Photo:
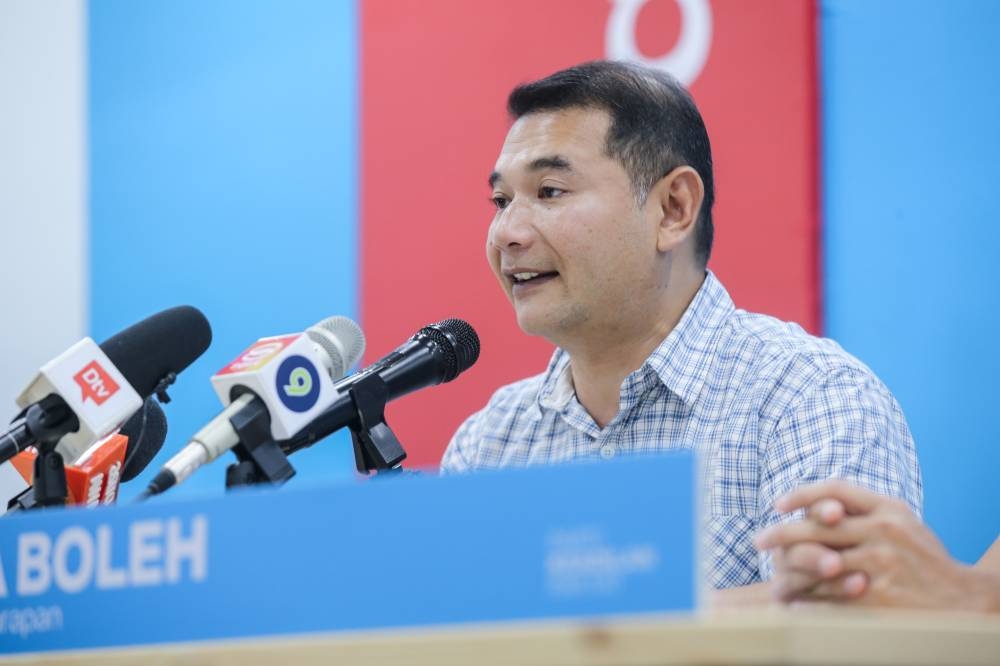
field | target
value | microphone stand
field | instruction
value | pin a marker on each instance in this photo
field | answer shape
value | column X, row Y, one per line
column 376, row 448
column 42, row 424
column 260, row 458
column 50, row 476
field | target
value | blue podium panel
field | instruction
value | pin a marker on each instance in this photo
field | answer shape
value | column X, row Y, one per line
column 570, row 541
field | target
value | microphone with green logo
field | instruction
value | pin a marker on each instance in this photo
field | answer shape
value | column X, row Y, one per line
column 290, row 376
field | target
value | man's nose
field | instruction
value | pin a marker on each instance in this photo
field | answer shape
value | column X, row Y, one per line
column 512, row 228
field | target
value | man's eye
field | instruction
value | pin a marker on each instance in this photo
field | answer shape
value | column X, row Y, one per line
column 547, row 192
column 500, row 201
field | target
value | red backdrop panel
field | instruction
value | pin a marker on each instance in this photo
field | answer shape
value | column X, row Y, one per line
column 434, row 79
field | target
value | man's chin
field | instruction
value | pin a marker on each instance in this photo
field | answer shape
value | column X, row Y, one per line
column 534, row 324
column 554, row 326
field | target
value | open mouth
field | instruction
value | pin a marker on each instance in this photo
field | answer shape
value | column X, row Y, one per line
column 524, row 279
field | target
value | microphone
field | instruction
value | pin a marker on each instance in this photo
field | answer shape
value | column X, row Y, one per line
column 88, row 391
column 95, row 477
column 146, row 432
column 278, row 376
column 436, row 354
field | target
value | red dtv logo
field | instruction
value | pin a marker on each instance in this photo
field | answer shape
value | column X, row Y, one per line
column 95, row 383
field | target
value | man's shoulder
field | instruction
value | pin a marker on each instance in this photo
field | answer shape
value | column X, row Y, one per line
column 759, row 347
column 510, row 404
column 768, row 343
column 783, row 366
column 486, row 434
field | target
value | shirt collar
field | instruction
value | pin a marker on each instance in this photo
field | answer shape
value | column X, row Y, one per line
column 557, row 384
column 681, row 361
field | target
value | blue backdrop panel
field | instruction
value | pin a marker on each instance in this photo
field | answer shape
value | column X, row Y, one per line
column 223, row 175
column 910, row 138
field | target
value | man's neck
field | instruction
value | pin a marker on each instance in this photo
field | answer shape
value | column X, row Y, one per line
column 600, row 366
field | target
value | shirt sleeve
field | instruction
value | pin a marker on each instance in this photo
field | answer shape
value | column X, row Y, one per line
column 846, row 426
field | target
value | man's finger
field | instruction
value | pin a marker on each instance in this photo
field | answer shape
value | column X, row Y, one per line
column 801, row 567
column 855, row 500
column 875, row 559
column 845, row 587
column 813, row 559
column 827, row 511
column 850, row 532
column 791, row 585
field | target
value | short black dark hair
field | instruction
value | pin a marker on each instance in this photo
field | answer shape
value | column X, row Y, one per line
column 655, row 125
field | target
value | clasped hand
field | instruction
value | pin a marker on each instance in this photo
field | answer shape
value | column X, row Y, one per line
column 855, row 545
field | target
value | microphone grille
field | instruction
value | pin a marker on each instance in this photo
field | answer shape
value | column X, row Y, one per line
column 459, row 341
column 343, row 341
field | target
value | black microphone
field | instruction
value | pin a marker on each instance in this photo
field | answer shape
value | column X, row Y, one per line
column 436, row 354
column 87, row 392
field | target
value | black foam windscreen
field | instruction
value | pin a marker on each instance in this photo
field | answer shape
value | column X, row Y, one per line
column 146, row 431
column 167, row 342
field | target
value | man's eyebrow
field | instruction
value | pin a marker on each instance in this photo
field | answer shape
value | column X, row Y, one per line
column 550, row 162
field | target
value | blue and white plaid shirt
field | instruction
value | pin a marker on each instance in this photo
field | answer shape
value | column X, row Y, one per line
column 769, row 406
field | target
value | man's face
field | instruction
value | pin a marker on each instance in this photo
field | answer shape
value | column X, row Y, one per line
column 570, row 248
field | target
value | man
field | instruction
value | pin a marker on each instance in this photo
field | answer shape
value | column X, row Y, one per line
column 603, row 228
column 858, row 547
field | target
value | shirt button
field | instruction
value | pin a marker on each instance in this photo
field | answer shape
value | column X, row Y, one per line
column 607, row 451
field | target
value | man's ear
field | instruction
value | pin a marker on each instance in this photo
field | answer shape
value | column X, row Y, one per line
column 677, row 201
